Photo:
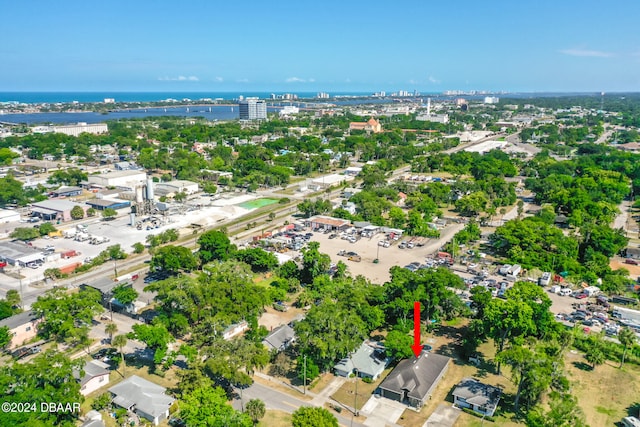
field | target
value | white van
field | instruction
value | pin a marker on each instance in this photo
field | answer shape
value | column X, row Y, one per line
column 565, row 292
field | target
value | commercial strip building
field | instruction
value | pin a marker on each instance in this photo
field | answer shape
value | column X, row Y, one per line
column 55, row 209
column 8, row 215
column 20, row 254
column 171, row 188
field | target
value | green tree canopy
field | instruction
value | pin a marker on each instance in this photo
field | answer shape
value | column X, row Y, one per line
column 214, row 245
column 308, row 416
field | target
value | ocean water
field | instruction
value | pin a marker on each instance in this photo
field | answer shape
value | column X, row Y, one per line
column 82, row 97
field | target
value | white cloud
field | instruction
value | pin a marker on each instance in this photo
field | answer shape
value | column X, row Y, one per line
column 586, row 53
column 179, row 79
column 219, row 79
column 434, row 80
column 295, row 80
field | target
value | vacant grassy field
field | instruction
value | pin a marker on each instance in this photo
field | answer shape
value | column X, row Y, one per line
column 274, row 418
column 347, row 393
column 606, row 394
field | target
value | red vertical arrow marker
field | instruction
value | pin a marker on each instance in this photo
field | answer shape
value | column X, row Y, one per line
column 416, row 347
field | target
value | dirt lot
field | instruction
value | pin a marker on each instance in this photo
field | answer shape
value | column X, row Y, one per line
column 368, row 249
column 617, row 263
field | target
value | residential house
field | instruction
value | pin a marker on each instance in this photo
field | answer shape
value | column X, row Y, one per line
column 413, row 380
column 479, row 397
column 235, row 330
column 93, row 419
column 22, row 328
column 280, row 338
column 146, row 399
column 365, row 362
column 96, row 375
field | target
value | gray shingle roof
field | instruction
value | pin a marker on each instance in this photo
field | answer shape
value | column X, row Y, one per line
column 148, row 397
column 365, row 359
column 416, row 375
column 478, row 393
column 18, row 319
column 279, row 338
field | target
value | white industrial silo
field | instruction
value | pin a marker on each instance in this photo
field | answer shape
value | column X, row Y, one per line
column 132, row 219
column 139, row 194
column 150, row 195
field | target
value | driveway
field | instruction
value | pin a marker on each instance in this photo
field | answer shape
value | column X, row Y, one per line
column 382, row 412
column 445, row 415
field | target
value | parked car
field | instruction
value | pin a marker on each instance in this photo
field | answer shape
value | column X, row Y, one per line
column 581, row 296
column 631, row 261
column 280, row 306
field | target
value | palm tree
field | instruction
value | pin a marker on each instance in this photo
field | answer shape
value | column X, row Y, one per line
column 256, row 410
column 120, row 341
column 627, row 338
column 111, row 328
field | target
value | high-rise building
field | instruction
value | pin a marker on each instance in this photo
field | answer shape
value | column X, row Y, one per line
column 253, row 109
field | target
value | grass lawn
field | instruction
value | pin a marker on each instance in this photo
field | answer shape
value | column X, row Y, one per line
column 274, row 418
column 606, row 394
column 347, row 393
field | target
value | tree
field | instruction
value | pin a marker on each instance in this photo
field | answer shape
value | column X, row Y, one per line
column 46, row 228
column 120, row 342
column 111, row 328
column 594, row 354
column 77, row 212
column 180, row 197
column 307, row 416
column 5, row 337
column 109, row 213
column 25, row 233
column 627, row 338
column 208, row 407
column 13, row 298
column 6, row 310
column 314, row 263
column 67, row 316
column 91, row 212
column 563, row 412
column 214, row 245
column 258, row 259
column 102, row 401
column 398, row 344
column 155, row 336
column 174, row 259
column 256, row 410
column 125, row 294
column 138, row 248
column 114, row 252
column 49, row 377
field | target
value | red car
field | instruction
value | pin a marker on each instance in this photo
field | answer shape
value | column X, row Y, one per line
column 631, row 261
column 581, row 296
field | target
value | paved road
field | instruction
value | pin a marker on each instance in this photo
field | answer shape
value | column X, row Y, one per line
column 274, row 399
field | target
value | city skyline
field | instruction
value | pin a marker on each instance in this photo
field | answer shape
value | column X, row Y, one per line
column 355, row 46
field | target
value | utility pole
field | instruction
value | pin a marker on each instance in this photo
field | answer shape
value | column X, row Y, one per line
column 21, row 293
column 305, row 374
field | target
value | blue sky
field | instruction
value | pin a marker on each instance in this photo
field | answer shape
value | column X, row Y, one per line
column 298, row 46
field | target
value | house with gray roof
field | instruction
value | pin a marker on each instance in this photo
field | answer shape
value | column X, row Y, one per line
column 365, row 362
column 22, row 327
column 479, row 397
column 96, row 375
column 280, row 338
column 146, row 399
column 413, row 381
